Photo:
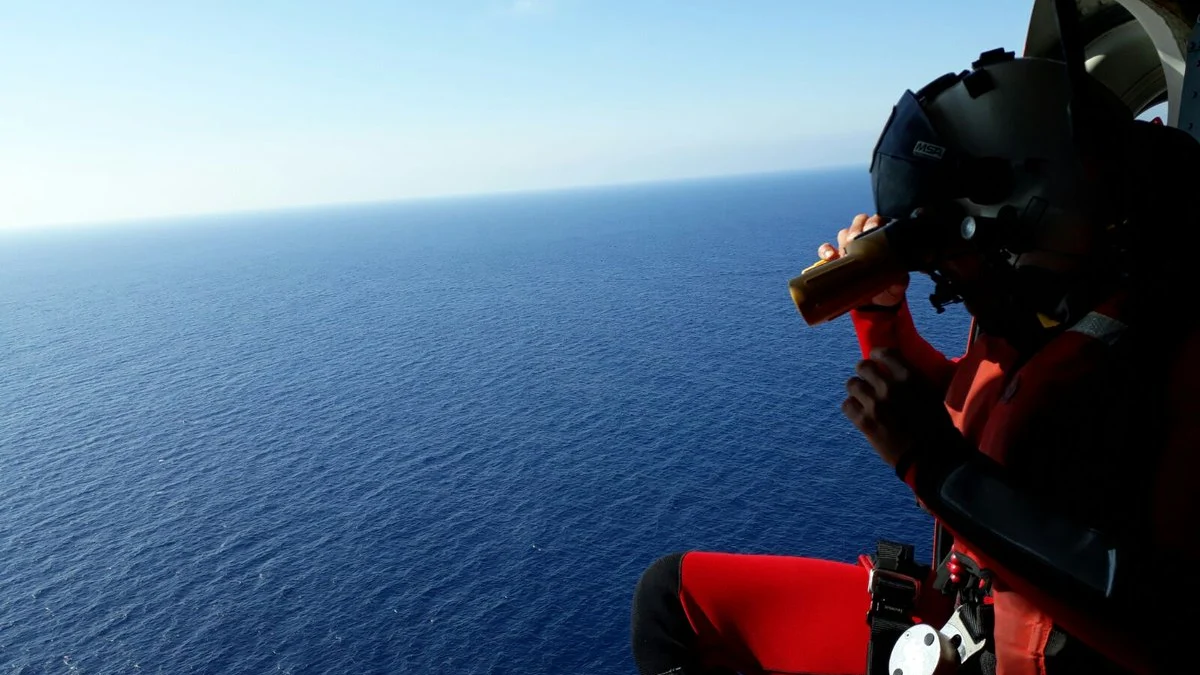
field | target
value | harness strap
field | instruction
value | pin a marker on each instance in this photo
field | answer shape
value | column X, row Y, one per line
column 1100, row 327
column 893, row 599
column 960, row 575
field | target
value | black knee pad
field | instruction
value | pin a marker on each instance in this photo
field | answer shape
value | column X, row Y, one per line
column 660, row 631
column 661, row 580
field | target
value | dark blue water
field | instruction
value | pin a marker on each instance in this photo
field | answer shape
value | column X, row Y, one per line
column 437, row 437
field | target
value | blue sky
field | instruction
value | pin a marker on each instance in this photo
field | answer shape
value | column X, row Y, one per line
column 120, row 110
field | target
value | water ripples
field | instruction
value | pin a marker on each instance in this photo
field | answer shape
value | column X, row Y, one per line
column 433, row 438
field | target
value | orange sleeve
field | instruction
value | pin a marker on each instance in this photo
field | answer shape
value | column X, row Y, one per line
column 1151, row 576
column 894, row 329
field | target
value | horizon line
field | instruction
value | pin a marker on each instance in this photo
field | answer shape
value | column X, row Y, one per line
column 219, row 213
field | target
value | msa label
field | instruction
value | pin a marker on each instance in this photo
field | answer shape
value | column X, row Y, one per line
column 928, row 150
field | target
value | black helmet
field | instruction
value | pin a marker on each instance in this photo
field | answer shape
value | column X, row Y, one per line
column 999, row 142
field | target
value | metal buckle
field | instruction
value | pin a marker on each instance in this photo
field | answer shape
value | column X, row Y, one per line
column 923, row 650
column 960, row 638
column 892, row 576
column 898, row 602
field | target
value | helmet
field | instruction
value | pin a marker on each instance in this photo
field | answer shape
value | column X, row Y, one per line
column 1040, row 171
column 1002, row 142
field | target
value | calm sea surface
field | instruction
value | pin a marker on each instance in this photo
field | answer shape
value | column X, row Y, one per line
column 433, row 437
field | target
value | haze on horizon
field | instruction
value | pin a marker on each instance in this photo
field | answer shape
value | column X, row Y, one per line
column 141, row 110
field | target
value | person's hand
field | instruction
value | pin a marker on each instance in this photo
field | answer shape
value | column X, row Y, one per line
column 895, row 408
column 891, row 297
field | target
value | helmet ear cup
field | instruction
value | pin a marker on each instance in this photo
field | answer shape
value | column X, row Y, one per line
column 987, row 180
column 1026, row 224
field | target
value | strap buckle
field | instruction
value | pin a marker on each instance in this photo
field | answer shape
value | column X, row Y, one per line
column 893, row 595
column 962, row 635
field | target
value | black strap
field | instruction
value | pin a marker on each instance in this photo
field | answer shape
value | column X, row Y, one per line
column 971, row 588
column 885, row 631
column 978, row 619
column 893, row 556
column 893, row 596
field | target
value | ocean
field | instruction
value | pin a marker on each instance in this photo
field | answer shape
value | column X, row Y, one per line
column 437, row 436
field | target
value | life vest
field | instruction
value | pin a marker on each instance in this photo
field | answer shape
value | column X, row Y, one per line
column 1063, row 423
